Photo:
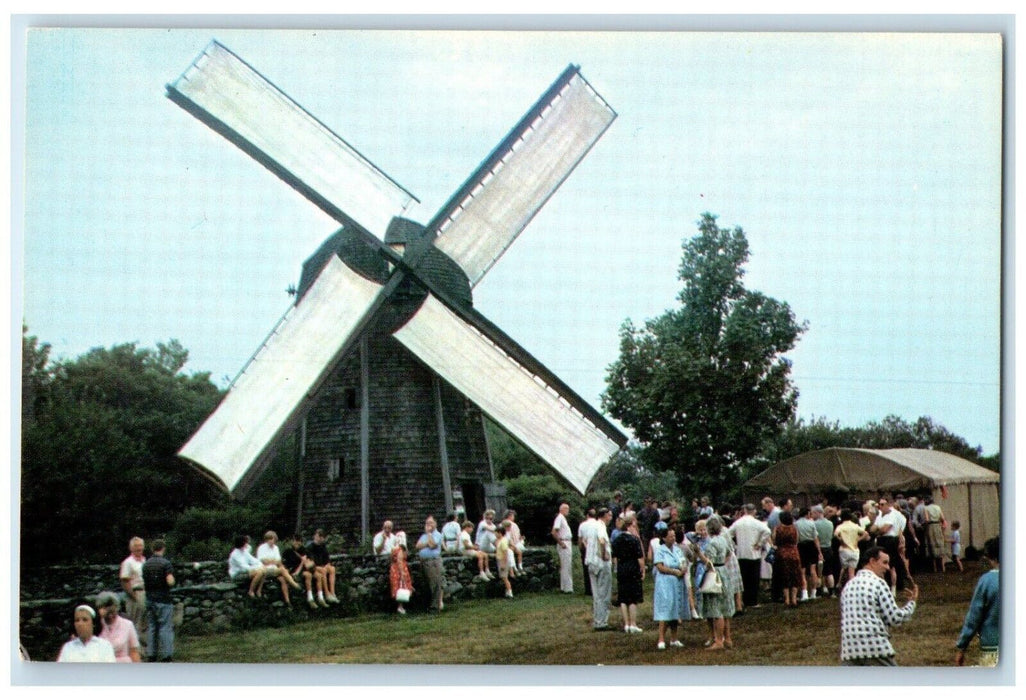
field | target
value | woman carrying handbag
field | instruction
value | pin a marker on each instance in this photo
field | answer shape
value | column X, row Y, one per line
column 717, row 606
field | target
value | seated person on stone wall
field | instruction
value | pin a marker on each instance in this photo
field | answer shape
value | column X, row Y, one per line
column 384, row 541
column 468, row 549
column 270, row 556
column 516, row 541
column 243, row 566
column 485, row 540
column 299, row 564
column 487, row 525
column 318, row 551
column 451, row 535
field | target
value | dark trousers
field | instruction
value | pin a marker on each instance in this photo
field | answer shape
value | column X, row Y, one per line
column 750, row 569
column 587, row 577
column 776, row 585
column 890, row 545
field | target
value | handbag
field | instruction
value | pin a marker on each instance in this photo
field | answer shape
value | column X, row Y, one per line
column 771, row 555
column 711, row 584
column 402, row 595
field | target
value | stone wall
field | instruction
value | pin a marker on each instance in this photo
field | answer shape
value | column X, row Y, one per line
column 210, row 603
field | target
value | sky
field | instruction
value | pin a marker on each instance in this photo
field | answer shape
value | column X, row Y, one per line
column 864, row 169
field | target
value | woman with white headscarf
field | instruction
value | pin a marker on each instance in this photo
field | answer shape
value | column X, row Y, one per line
column 86, row 645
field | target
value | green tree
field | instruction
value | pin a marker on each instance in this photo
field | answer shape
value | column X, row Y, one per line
column 35, row 374
column 511, row 459
column 705, row 384
column 99, row 449
column 627, row 472
column 893, row 431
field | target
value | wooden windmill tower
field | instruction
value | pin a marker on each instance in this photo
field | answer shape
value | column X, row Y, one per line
column 383, row 365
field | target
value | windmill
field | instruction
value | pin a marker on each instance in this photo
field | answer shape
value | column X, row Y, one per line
column 382, row 364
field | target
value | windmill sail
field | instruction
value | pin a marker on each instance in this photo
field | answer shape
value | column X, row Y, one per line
column 501, row 197
column 546, row 419
column 237, row 438
column 224, row 92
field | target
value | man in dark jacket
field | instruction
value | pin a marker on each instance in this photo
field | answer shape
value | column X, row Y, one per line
column 158, row 577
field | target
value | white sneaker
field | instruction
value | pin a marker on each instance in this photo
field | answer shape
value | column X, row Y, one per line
column 805, row 595
column 676, row 643
column 331, row 598
column 509, row 594
column 483, row 576
column 636, row 630
column 661, row 645
column 627, row 629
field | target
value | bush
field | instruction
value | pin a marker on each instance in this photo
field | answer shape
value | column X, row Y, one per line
column 207, row 534
column 536, row 500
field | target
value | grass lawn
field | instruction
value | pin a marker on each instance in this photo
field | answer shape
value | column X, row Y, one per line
column 555, row 629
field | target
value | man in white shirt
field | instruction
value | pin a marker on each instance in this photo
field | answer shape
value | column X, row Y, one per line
column 563, row 535
column 132, row 583
column 583, row 537
column 384, row 541
column 889, row 528
column 600, row 570
column 750, row 535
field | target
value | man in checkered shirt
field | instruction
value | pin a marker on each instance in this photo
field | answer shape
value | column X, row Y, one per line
column 868, row 610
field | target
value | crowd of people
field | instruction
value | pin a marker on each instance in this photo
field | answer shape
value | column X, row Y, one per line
column 706, row 564
column 310, row 562
column 714, row 564
column 499, row 542
column 100, row 633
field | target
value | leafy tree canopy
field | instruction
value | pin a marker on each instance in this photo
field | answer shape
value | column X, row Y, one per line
column 99, row 438
column 818, row 433
column 704, row 385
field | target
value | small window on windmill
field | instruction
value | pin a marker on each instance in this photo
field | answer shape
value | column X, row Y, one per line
column 335, row 467
column 350, row 400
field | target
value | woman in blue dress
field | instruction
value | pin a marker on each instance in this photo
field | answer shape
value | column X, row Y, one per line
column 669, row 606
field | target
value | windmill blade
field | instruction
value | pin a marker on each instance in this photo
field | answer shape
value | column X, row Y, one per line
column 502, row 196
column 237, row 440
column 545, row 419
column 224, row 92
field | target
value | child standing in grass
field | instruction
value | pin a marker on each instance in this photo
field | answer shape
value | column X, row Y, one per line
column 502, row 557
column 955, row 540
